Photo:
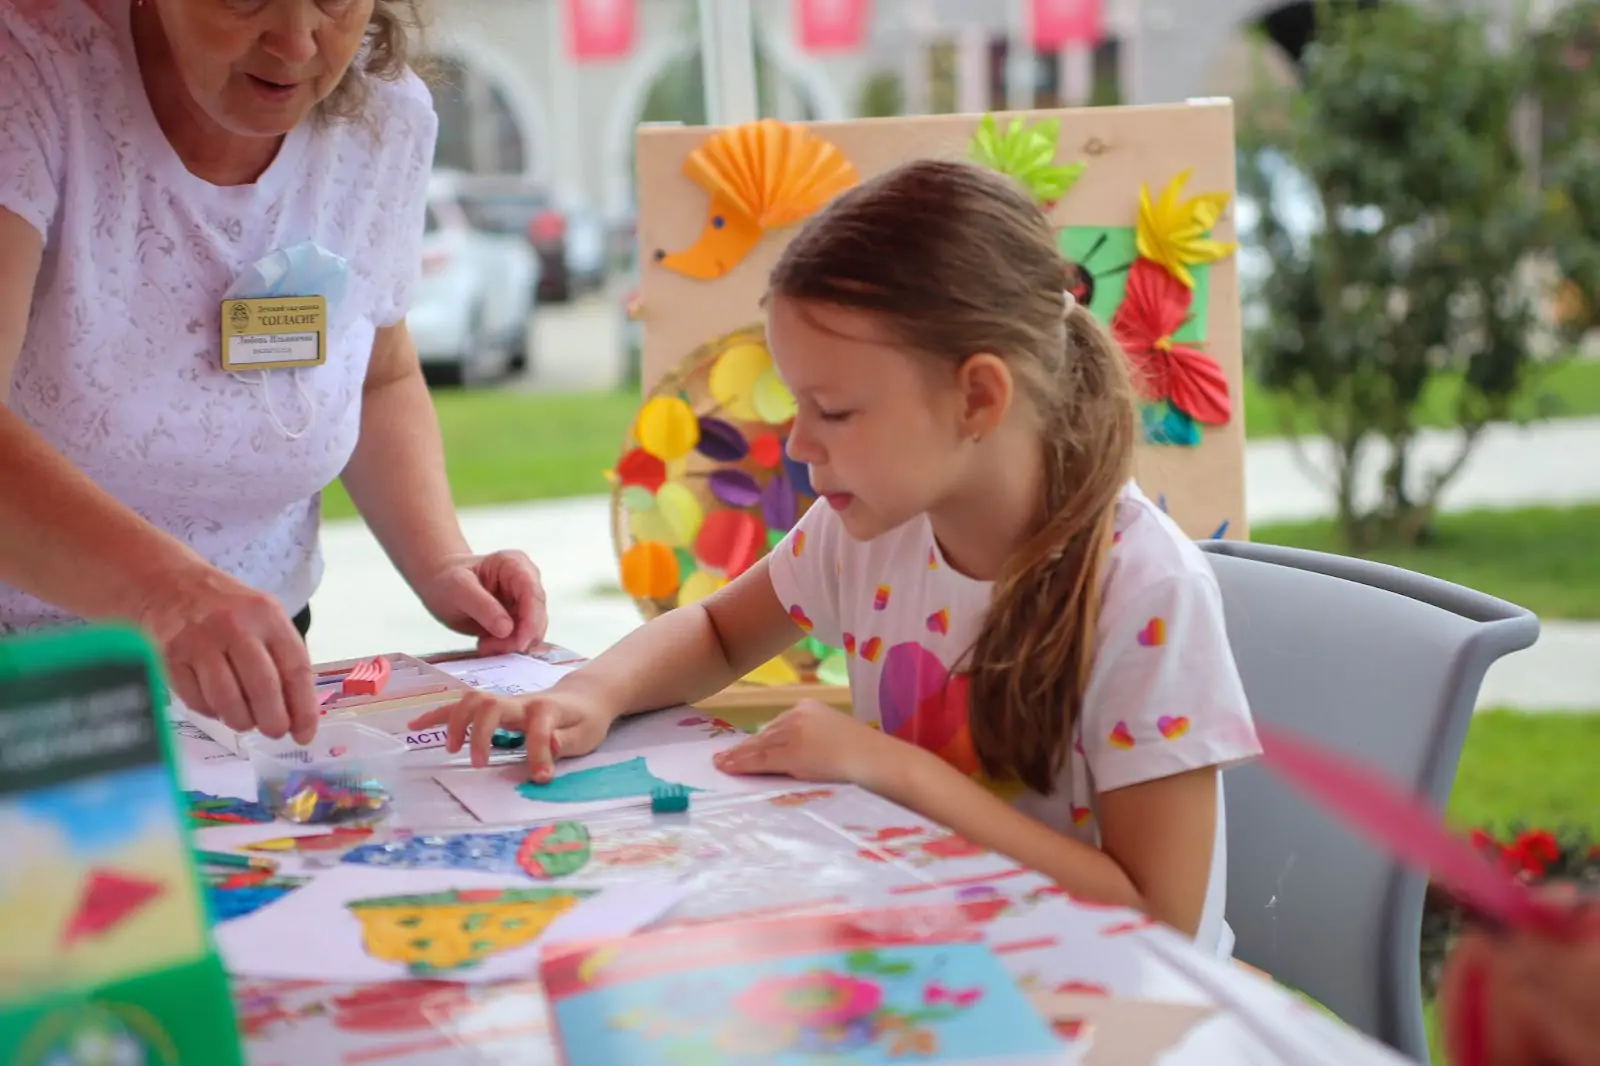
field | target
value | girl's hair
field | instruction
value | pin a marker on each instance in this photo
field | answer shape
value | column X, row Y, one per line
column 955, row 260
column 395, row 26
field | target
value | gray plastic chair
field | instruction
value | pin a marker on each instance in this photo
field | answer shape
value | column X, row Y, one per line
column 1384, row 664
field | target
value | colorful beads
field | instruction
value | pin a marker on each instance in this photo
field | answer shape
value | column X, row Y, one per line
column 310, row 798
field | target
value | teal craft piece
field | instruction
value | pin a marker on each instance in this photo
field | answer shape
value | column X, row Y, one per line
column 1165, row 424
column 622, row 780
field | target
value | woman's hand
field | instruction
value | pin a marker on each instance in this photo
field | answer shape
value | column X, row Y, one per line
column 814, row 742
column 497, row 598
column 558, row 723
column 1524, row 997
column 232, row 653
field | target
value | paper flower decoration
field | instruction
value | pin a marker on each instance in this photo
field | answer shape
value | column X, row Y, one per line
column 1175, row 233
column 760, row 176
column 1027, row 152
column 1153, row 308
column 703, row 489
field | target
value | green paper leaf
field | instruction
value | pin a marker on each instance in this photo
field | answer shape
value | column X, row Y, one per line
column 1028, row 154
column 687, row 563
column 834, row 669
column 1107, row 252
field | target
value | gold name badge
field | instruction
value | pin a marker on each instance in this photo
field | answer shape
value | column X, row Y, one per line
column 274, row 333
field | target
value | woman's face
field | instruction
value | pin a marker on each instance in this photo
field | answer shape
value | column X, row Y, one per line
column 258, row 67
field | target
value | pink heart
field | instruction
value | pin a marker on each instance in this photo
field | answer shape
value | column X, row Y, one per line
column 918, row 700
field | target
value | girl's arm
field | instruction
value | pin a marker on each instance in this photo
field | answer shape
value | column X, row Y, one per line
column 691, row 652
column 1156, row 836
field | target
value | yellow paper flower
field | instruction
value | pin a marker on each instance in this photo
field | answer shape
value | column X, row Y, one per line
column 1175, row 232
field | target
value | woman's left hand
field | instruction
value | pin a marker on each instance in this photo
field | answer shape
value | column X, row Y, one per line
column 813, row 742
column 497, row 598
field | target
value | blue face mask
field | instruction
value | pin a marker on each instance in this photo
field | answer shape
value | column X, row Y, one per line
column 303, row 269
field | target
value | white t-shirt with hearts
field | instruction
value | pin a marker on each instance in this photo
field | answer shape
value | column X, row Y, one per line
column 1164, row 694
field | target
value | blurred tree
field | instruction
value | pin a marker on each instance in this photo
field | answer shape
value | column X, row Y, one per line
column 1567, row 54
column 883, row 96
column 1426, row 248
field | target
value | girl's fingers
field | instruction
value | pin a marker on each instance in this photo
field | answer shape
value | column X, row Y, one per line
column 485, row 719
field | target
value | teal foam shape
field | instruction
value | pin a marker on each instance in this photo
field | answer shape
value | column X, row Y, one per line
column 621, row 780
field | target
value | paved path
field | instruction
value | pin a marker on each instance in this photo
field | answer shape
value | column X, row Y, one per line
column 363, row 605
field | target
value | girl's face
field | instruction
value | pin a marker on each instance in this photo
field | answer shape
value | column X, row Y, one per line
column 256, row 68
column 885, row 433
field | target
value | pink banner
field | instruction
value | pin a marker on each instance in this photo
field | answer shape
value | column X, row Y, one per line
column 1060, row 23
column 831, row 25
column 600, row 29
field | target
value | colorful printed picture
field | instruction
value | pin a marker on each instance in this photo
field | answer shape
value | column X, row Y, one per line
column 96, row 885
column 861, row 987
column 558, row 849
column 383, row 925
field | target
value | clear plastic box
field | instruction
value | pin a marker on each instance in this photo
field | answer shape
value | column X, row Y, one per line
column 348, row 773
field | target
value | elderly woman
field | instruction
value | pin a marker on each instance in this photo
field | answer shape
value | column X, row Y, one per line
column 210, row 217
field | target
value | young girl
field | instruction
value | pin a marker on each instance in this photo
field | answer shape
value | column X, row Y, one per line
column 977, row 543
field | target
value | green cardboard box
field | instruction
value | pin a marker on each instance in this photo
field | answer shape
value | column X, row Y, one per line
column 106, row 956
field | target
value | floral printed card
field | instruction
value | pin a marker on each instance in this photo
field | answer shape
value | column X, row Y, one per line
column 863, row 987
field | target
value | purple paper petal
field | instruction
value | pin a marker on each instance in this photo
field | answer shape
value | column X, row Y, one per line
column 721, row 441
column 799, row 475
column 779, row 507
column 735, row 488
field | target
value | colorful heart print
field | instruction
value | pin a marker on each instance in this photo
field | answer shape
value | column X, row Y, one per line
column 939, row 621
column 798, row 614
column 1120, row 737
column 1081, row 816
column 880, row 600
column 918, row 699
column 798, row 543
column 1154, row 633
column 1172, row 727
column 870, row 648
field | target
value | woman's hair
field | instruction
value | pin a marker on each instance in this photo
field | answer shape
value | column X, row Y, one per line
column 954, row 259
column 385, row 54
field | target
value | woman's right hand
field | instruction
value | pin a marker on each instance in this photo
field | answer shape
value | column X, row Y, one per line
column 560, row 722
column 232, row 653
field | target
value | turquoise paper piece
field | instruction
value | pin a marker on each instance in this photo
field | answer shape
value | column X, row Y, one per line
column 622, row 780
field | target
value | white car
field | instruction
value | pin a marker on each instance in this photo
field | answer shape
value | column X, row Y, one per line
column 473, row 315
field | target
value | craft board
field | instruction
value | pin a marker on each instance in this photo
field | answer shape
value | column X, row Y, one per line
column 105, row 927
column 370, row 924
column 1096, row 215
column 604, row 781
column 414, row 687
column 875, row 986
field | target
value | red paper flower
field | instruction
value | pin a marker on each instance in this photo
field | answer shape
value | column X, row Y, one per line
column 1153, row 308
column 1534, row 851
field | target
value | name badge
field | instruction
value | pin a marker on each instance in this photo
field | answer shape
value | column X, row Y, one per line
column 274, row 333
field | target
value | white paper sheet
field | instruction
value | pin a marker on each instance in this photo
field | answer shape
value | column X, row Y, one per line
column 509, row 675
column 313, row 934
column 492, row 793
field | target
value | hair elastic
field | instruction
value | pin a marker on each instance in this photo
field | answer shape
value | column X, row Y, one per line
column 1069, row 303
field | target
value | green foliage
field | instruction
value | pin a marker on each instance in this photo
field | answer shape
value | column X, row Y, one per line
column 883, row 96
column 1433, row 235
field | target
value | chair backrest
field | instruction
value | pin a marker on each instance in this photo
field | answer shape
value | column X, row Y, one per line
column 1384, row 664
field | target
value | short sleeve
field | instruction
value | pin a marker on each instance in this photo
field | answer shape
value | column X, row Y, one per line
column 1164, row 693
column 32, row 138
column 412, row 122
column 805, row 570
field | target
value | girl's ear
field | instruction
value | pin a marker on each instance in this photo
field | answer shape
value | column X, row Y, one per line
column 987, row 389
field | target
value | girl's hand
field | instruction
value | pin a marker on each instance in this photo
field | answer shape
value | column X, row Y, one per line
column 557, row 723
column 813, row 742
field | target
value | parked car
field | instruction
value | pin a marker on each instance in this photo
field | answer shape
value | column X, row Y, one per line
column 473, row 315
column 571, row 240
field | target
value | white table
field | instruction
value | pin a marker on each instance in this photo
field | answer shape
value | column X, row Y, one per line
column 1144, row 994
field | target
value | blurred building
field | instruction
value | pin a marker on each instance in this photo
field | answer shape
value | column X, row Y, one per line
column 512, row 99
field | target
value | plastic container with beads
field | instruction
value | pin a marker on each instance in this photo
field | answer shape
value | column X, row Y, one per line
column 348, row 773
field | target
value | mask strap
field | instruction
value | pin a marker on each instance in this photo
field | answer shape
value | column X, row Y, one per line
column 305, row 397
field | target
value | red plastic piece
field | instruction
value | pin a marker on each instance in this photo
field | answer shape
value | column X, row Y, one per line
column 368, row 679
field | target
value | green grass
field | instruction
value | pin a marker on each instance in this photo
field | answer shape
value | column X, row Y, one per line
column 1546, row 559
column 507, row 445
column 1569, row 389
